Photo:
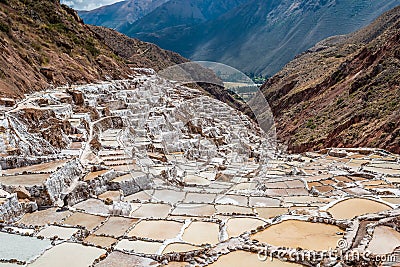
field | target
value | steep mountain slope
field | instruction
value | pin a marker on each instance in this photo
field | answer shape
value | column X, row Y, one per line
column 277, row 30
column 43, row 43
column 343, row 92
column 137, row 53
column 115, row 15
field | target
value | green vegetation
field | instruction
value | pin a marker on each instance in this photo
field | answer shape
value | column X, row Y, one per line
column 339, row 101
column 310, row 124
column 5, row 27
column 91, row 47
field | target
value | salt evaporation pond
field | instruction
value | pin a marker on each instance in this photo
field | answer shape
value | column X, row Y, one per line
column 179, row 247
column 306, row 235
column 384, row 241
column 201, row 233
column 350, row 208
column 67, row 255
column 242, row 258
column 22, row 248
column 157, row 230
column 237, row 226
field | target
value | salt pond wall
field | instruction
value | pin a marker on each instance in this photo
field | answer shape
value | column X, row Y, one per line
column 11, row 209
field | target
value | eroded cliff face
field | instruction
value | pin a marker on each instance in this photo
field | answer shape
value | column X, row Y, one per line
column 342, row 93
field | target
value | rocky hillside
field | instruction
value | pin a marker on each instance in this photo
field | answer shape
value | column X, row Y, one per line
column 344, row 92
column 44, row 43
column 137, row 53
column 237, row 32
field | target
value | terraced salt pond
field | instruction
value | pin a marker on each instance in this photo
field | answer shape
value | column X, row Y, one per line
column 237, row 226
column 44, row 217
column 139, row 246
column 201, row 233
column 157, row 230
column 384, row 241
column 56, row 231
column 102, row 241
column 350, row 208
column 78, row 256
column 151, row 210
column 179, row 247
column 22, row 248
column 115, row 226
column 88, row 221
column 118, row 259
column 300, row 234
column 182, row 179
column 24, row 180
column 243, row 258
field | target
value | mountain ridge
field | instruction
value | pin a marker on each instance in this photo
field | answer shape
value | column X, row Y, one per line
column 344, row 92
column 277, row 30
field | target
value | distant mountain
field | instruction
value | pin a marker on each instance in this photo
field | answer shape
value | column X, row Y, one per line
column 255, row 36
column 116, row 15
column 344, row 92
column 178, row 14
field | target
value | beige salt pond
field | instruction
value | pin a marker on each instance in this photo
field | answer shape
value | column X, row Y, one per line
column 350, row 208
column 237, row 226
column 151, row 210
column 199, row 198
column 67, row 255
column 201, row 233
column 306, row 235
column 268, row 213
column 139, row 246
column 61, row 232
column 24, row 180
column 200, row 210
column 119, row 259
column 92, row 205
column 44, row 167
column 44, row 217
column 169, row 196
column 179, row 247
column 196, row 180
column 384, row 240
column 157, row 230
column 93, row 175
column 102, row 241
column 115, row 226
column 86, row 220
column 141, row 196
column 243, row 258
column 113, row 195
